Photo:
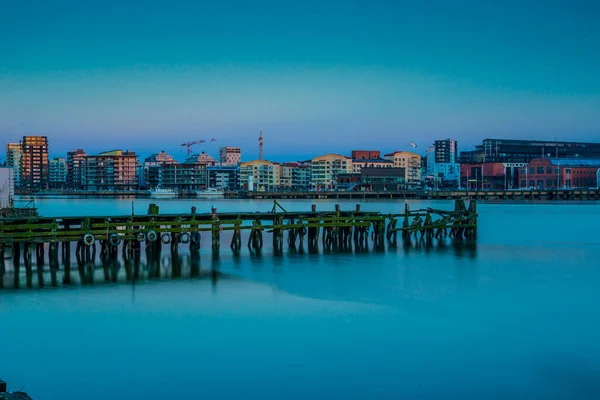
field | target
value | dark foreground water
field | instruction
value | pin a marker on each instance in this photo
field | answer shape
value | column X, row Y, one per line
column 515, row 315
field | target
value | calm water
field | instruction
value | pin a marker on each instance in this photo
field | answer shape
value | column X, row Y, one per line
column 514, row 315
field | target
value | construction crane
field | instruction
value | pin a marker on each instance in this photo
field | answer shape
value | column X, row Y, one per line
column 190, row 144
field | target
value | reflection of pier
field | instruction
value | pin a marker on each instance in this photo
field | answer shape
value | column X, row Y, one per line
column 104, row 238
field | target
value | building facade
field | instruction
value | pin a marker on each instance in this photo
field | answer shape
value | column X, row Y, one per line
column 295, row 176
column 358, row 164
column 112, row 170
column 366, row 154
column 202, row 158
column 324, row 170
column 230, row 155
column 382, row 179
column 34, row 162
column 150, row 172
column 226, row 177
column 446, row 151
column 14, row 152
column 411, row 162
column 560, row 173
column 523, row 151
column 57, row 173
column 75, row 168
column 7, row 187
column 259, row 175
column 184, row 177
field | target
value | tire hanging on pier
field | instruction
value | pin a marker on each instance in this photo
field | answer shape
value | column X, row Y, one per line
column 184, row 238
column 196, row 237
column 88, row 239
column 140, row 236
column 165, row 238
column 151, row 236
column 114, row 239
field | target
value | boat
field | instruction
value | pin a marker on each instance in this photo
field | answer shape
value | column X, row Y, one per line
column 162, row 192
column 210, row 192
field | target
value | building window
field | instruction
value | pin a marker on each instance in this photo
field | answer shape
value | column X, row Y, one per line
column 568, row 170
column 548, row 182
column 531, row 170
column 540, row 170
column 548, row 170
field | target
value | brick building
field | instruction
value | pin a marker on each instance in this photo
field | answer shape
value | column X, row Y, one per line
column 561, row 173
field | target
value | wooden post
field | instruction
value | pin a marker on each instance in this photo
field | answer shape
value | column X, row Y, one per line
column 216, row 230
column 473, row 218
column 405, row 224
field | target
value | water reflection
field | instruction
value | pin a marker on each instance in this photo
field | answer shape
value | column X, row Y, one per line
column 152, row 262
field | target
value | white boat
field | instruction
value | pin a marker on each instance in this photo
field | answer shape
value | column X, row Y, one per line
column 210, row 192
column 161, row 192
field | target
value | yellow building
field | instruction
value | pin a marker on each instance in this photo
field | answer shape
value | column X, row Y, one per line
column 411, row 162
column 259, row 175
column 325, row 170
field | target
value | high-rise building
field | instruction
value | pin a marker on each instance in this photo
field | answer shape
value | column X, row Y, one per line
column 230, row 155
column 57, row 173
column 14, row 152
column 75, row 168
column 446, row 151
column 34, row 162
column 111, row 170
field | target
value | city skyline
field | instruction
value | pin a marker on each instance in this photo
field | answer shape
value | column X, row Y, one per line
column 152, row 75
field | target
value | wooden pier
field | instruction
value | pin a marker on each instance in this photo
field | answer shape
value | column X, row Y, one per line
column 108, row 235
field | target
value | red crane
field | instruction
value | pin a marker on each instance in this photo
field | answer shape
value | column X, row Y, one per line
column 189, row 145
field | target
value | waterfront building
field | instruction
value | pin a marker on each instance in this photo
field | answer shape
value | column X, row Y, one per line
column 295, row 176
column 34, row 162
column 7, row 187
column 411, row 162
column 262, row 174
column 561, row 173
column 75, row 168
column 358, row 164
column 160, row 159
column 490, row 175
column 382, row 179
column 324, row 170
column 184, row 177
column 226, row 177
column 150, row 174
column 112, row 170
column 429, row 160
column 57, row 173
column 202, row 158
column 14, row 152
column 523, row 151
column 446, row 151
column 229, row 155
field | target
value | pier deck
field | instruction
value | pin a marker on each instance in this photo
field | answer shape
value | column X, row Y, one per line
column 336, row 229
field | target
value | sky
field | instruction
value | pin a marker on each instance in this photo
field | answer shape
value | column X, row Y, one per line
column 314, row 76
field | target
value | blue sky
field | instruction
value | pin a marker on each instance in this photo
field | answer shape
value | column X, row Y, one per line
column 315, row 76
